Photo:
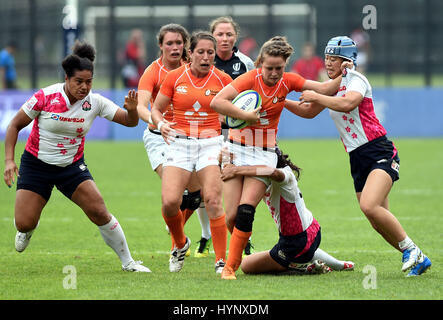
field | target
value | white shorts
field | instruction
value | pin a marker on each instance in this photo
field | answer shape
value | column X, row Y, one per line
column 253, row 156
column 155, row 147
column 193, row 154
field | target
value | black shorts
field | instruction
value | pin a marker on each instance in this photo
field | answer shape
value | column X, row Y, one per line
column 40, row 177
column 297, row 249
column 379, row 153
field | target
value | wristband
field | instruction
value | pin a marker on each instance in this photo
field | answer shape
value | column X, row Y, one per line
column 150, row 120
column 160, row 125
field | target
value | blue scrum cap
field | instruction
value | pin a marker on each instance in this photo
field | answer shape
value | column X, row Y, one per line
column 342, row 46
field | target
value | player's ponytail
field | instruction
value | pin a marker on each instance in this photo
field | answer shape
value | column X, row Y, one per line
column 277, row 46
column 82, row 57
column 283, row 161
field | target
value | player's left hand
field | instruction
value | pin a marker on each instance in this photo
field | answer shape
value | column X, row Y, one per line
column 131, row 100
column 228, row 172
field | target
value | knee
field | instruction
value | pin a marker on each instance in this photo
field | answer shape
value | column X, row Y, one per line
column 245, row 217
column 25, row 225
column 213, row 201
column 368, row 208
column 97, row 212
column 171, row 204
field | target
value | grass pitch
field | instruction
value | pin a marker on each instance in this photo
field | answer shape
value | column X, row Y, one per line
column 67, row 244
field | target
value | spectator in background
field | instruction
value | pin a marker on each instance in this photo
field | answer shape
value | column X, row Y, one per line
column 134, row 63
column 249, row 47
column 8, row 74
column 310, row 66
column 362, row 40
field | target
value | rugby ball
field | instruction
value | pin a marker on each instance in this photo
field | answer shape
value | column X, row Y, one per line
column 247, row 100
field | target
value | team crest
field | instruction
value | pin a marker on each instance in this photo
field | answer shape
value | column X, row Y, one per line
column 275, row 99
column 86, row 106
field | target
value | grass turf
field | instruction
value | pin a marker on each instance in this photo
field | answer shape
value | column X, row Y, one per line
column 65, row 236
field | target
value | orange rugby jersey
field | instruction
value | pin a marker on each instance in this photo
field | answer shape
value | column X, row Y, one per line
column 190, row 97
column 151, row 81
column 264, row 132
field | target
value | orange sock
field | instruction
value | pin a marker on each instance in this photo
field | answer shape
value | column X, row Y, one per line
column 238, row 242
column 219, row 237
column 187, row 213
column 175, row 225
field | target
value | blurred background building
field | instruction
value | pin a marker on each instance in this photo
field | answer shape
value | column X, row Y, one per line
column 404, row 40
column 401, row 40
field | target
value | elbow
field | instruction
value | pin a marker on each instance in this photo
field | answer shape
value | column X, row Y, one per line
column 347, row 107
column 214, row 104
column 309, row 115
column 133, row 124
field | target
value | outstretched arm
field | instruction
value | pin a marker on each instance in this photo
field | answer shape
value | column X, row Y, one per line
column 230, row 171
column 304, row 110
column 342, row 104
column 329, row 87
column 128, row 117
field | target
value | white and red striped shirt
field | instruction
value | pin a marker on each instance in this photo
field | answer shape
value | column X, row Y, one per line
column 360, row 125
column 58, row 133
column 287, row 206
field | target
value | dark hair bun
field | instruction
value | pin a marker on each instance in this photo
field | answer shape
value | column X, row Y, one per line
column 84, row 50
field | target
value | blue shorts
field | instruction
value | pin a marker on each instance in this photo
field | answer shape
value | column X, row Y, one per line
column 40, row 177
column 297, row 249
column 379, row 153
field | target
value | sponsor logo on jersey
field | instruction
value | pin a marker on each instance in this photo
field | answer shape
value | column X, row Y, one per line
column 211, row 92
column 181, row 89
column 86, row 106
column 56, row 117
column 278, row 99
column 54, row 101
column 196, row 107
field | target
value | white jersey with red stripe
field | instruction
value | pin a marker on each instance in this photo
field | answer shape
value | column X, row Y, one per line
column 360, row 125
column 286, row 204
column 58, row 133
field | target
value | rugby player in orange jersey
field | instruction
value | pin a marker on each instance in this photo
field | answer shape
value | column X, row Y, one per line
column 255, row 144
column 173, row 40
column 195, row 140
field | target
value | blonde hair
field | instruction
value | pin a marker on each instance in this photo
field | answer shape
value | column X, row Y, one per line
column 226, row 19
column 277, row 46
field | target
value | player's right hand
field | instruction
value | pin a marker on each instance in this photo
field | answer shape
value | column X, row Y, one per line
column 253, row 116
column 168, row 133
column 10, row 172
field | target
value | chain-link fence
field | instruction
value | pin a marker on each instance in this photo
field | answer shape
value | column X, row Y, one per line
column 401, row 35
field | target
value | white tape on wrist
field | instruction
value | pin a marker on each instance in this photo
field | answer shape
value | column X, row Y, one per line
column 159, row 125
